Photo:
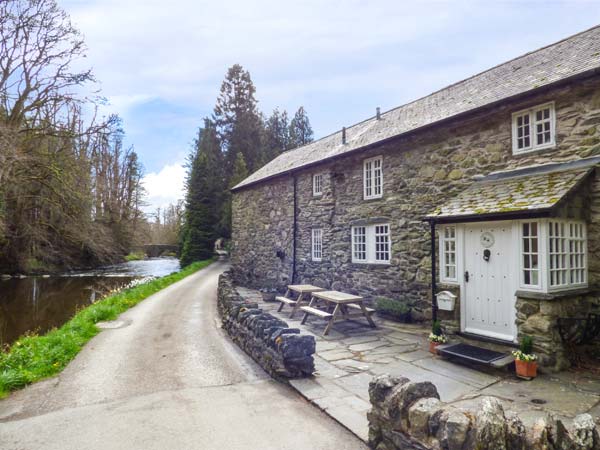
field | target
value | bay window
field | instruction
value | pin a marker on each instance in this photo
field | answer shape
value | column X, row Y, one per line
column 553, row 254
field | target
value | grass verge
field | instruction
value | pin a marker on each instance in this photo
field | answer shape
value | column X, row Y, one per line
column 32, row 358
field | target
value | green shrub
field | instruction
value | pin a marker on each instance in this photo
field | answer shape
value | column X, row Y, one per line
column 393, row 308
column 526, row 345
column 436, row 328
column 32, row 358
column 135, row 256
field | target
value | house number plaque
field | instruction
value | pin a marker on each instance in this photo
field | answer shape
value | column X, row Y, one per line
column 487, row 239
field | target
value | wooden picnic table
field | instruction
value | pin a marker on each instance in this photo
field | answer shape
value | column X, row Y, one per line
column 301, row 292
column 338, row 306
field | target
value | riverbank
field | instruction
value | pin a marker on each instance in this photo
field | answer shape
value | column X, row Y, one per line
column 32, row 358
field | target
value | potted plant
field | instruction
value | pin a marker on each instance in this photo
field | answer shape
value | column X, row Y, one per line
column 436, row 337
column 525, row 359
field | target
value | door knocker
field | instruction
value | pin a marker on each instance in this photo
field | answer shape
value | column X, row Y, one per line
column 486, row 254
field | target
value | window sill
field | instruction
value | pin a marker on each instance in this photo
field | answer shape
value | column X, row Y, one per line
column 533, row 295
column 373, row 265
column 535, row 151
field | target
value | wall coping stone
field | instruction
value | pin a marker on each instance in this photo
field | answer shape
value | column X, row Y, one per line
column 407, row 415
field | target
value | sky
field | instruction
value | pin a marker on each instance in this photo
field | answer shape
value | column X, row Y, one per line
column 160, row 63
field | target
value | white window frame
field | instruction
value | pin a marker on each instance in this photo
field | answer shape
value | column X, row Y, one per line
column 544, row 256
column 541, row 251
column 316, row 244
column 317, row 180
column 369, row 175
column 445, row 239
column 533, row 146
column 568, row 238
column 370, row 243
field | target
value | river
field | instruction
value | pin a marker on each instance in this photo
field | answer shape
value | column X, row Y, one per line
column 37, row 304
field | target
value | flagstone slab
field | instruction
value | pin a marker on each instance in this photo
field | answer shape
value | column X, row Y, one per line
column 328, row 370
column 379, row 359
column 366, row 346
column 323, row 346
column 393, row 350
column 349, row 364
column 351, row 419
column 336, row 354
column 558, row 397
column 357, row 384
column 317, row 387
column 461, row 373
column 360, row 339
column 448, row 388
column 414, row 355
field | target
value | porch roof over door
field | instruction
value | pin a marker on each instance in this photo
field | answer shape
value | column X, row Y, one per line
column 527, row 192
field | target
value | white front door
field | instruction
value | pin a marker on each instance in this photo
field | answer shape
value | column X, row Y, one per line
column 490, row 280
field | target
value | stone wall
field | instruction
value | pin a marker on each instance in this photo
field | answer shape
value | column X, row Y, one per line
column 420, row 171
column 410, row 416
column 263, row 224
column 537, row 316
column 282, row 351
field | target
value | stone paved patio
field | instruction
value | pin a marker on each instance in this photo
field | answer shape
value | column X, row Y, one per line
column 353, row 353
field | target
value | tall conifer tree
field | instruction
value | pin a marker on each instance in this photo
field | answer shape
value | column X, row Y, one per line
column 301, row 132
column 238, row 121
column 277, row 134
column 205, row 189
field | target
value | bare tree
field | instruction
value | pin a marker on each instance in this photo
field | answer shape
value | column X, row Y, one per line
column 38, row 45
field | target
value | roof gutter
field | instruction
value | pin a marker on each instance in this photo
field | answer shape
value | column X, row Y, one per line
column 535, row 91
column 515, row 215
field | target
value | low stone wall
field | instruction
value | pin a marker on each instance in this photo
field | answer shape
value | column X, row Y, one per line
column 282, row 351
column 410, row 416
column 538, row 317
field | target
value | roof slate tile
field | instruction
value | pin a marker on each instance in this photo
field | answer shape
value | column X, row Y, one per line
column 570, row 57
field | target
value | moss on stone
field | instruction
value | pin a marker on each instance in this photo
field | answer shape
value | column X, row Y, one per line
column 590, row 141
column 455, row 174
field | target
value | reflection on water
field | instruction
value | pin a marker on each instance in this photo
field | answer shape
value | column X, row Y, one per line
column 38, row 304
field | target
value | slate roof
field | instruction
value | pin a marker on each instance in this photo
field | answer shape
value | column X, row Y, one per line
column 568, row 58
column 534, row 189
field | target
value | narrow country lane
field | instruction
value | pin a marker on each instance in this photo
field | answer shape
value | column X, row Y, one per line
column 167, row 379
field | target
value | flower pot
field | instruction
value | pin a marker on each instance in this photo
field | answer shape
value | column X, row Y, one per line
column 526, row 369
column 433, row 347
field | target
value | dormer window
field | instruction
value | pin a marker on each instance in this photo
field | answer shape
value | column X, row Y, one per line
column 373, row 178
column 533, row 129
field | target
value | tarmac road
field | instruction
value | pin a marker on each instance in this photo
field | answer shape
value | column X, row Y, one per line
column 166, row 378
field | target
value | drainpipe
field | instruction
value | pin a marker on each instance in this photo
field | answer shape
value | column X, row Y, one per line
column 434, row 307
column 294, row 231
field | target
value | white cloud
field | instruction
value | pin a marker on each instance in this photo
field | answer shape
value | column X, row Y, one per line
column 164, row 187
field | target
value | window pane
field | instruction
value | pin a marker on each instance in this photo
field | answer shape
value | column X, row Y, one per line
column 529, row 239
column 448, row 258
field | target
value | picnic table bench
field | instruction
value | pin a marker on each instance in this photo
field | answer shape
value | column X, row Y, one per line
column 300, row 293
column 335, row 306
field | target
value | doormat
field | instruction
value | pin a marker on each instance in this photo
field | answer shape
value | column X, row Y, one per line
column 472, row 353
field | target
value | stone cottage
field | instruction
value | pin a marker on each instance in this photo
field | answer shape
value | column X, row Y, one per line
column 489, row 183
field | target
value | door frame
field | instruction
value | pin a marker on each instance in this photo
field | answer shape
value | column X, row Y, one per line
column 513, row 274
